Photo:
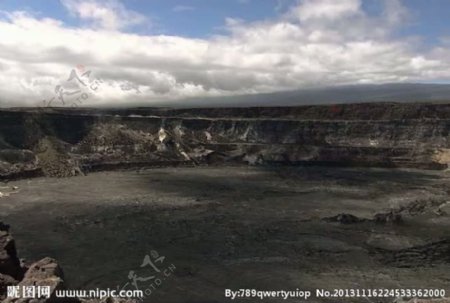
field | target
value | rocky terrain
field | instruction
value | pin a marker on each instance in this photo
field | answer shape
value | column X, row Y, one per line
column 338, row 196
column 259, row 227
column 65, row 142
column 14, row 272
column 45, row 272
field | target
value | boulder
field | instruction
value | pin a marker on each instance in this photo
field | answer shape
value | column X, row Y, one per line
column 444, row 209
column 43, row 273
column 14, row 272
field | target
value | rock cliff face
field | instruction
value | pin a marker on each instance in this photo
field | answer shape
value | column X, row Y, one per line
column 65, row 142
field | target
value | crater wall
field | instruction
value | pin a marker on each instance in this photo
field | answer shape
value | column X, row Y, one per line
column 65, row 142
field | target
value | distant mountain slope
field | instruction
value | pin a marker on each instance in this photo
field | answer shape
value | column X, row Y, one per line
column 399, row 92
column 406, row 92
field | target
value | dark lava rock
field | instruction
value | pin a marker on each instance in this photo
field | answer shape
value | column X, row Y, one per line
column 54, row 158
column 390, row 217
column 45, row 269
column 6, row 281
column 312, row 135
column 9, row 262
column 45, row 272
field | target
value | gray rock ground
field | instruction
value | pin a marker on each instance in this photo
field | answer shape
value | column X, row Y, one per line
column 238, row 227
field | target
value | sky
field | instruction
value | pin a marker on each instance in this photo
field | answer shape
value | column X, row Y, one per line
column 92, row 52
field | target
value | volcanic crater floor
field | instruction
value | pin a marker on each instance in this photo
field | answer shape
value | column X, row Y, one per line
column 264, row 228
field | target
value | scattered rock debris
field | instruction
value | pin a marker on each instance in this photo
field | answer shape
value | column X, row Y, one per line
column 55, row 160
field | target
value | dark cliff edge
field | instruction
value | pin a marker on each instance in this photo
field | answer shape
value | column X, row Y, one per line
column 65, row 142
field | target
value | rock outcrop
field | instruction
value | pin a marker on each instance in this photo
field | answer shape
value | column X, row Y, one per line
column 6, row 281
column 10, row 267
column 9, row 262
column 43, row 273
column 66, row 142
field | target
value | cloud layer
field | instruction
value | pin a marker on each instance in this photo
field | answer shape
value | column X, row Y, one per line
column 316, row 43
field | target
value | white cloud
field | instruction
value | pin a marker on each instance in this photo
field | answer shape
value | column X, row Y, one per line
column 327, row 9
column 316, row 43
column 110, row 14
